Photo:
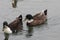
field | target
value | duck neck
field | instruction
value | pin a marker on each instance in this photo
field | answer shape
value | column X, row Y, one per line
column 29, row 21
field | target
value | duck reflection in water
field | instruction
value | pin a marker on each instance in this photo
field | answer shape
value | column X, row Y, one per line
column 30, row 31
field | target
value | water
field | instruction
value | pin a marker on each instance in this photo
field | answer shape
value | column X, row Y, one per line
column 47, row 31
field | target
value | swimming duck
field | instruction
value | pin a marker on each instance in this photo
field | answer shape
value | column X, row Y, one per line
column 16, row 25
column 14, row 3
column 37, row 19
column 6, row 28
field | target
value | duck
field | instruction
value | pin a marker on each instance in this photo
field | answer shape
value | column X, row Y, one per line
column 14, row 3
column 6, row 28
column 16, row 25
column 37, row 19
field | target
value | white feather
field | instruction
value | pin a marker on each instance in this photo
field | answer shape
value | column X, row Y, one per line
column 7, row 30
column 29, row 21
column 42, row 11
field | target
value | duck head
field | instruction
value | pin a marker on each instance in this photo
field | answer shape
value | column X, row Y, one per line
column 5, row 24
column 29, row 18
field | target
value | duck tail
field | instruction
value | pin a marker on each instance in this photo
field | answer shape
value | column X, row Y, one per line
column 45, row 12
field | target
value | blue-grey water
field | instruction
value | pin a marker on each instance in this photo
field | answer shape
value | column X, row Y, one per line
column 47, row 31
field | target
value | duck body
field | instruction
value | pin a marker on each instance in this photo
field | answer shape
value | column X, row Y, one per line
column 37, row 19
column 6, row 28
column 17, row 24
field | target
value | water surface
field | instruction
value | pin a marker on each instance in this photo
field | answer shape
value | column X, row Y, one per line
column 47, row 31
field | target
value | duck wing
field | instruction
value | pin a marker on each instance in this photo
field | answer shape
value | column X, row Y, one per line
column 36, row 22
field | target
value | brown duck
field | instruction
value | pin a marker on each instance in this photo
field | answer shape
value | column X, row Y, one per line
column 37, row 19
column 15, row 25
